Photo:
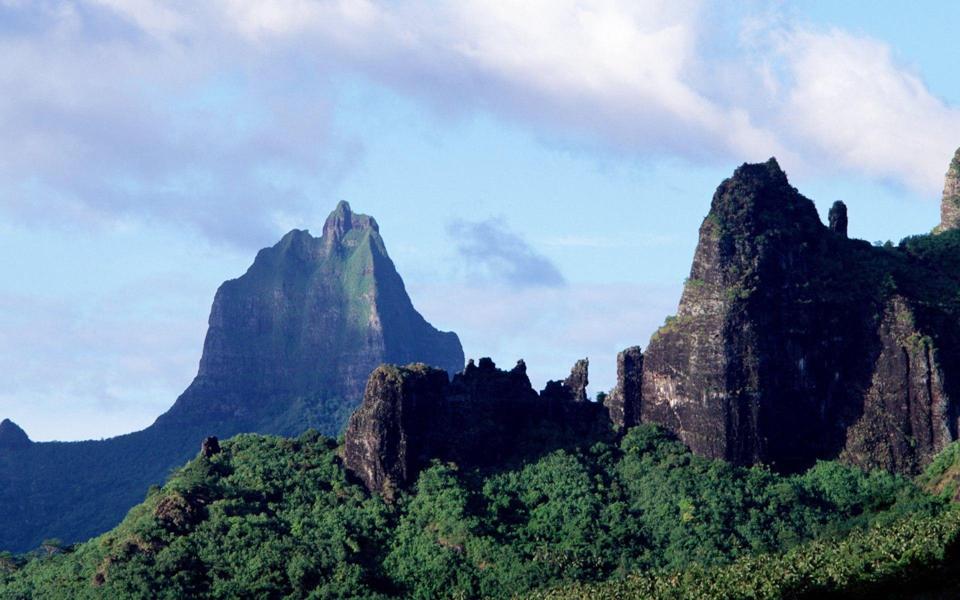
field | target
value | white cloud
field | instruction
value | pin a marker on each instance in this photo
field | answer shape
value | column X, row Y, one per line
column 849, row 101
column 214, row 115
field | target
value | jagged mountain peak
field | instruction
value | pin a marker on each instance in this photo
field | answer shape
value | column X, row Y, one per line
column 759, row 197
column 343, row 220
column 343, row 229
column 309, row 320
column 12, row 435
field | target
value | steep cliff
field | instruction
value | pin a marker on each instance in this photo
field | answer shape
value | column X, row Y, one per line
column 484, row 417
column 624, row 402
column 793, row 343
column 290, row 345
column 950, row 203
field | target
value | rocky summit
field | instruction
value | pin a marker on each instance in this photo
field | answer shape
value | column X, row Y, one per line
column 793, row 343
column 291, row 343
column 12, row 437
column 484, row 417
column 290, row 346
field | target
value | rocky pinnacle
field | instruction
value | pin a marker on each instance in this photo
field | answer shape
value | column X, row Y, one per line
column 838, row 218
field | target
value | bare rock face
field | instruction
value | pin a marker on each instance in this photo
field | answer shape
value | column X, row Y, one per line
column 838, row 218
column 210, row 446
column 783, row 350
column 578, row 380
column 625, row 401
column 573, row 388
column 950, row 203
column 906, row 410
column 384, row 438
column 12, row 437
column 483, row 417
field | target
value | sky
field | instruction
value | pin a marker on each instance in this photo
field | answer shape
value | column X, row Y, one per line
column 538, row 169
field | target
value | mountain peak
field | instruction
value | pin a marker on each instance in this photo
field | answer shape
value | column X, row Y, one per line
column 311, row 318
column 343, row 220
column 12, row 436
column 759, row 197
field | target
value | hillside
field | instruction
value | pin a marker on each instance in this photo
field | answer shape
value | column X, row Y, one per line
column 289, row 346
column 275, row 517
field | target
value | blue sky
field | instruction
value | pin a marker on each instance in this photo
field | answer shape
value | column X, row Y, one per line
column 538, row 169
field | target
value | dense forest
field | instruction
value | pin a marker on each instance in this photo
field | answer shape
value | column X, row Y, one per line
column 639, row 516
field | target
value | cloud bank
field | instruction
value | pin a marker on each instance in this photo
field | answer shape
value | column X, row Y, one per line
column 217, row 115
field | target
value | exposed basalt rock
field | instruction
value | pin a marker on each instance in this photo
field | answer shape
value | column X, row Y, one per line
column 906, row 412
column 578, row 380
column 950, row 203
column 210, row 446
column 625, row 401
column 571, row 389
column 483, row 417
column 12, row 437
column 837, row 218
column 783, row 351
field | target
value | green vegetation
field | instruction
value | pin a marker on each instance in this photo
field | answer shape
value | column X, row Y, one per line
column 280, row 518
column 914, row 558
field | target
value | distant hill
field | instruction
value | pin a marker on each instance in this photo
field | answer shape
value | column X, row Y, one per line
column 289, row 347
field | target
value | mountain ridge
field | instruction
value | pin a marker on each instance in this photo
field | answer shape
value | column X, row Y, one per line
column 289, row 346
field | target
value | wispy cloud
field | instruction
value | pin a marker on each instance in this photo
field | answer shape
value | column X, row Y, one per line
column 491, row 252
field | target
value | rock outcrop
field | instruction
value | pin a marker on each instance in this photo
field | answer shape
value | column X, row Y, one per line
column 483, row 417
column 571, row 389
column 906, row 412
column 210, row 446
column 290, row 346
column 793, row 344
column 837, row 218
column 12, row 437
column 950, row 202
column 625, row 401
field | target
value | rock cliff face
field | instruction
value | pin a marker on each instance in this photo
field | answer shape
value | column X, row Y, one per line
column 950, row 203
column 906, row 412
column 793, row 343
column 624, row 402
column 290, row 345
column 483, row 417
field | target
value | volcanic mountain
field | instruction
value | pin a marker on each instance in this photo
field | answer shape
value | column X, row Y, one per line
column 290, row 345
